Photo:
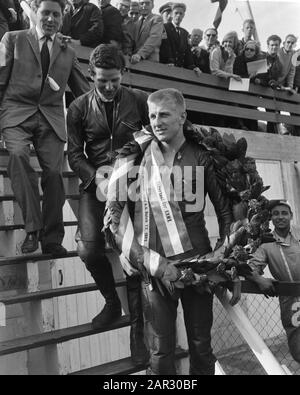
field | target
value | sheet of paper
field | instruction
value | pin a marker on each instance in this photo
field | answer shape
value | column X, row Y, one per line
column 243, row 85
column 258, row 66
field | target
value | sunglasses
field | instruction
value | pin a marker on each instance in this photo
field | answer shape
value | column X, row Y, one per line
column 250, row 49
column 211, row 35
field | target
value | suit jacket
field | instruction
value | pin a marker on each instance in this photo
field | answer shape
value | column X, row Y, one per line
column 147, row 38
column 176, row 49
column 85, row 25
column 3, row 24
column 21, row 81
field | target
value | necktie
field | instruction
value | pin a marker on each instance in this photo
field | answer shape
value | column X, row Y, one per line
column 141, row 25
column 178, row 33
column 45, row 58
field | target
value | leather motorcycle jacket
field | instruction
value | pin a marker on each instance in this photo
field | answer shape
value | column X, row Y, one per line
column 91, row 140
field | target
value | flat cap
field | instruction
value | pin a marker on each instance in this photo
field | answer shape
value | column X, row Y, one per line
column 179, row 5
column 165, row 7
column 279, row 202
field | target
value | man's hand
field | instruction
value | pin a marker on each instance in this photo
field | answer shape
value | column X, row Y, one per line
column 136, row 58
column 266, row 286
column 76, row 42
column 252, row 75
column 236, row 77
column 13, row 15
column 171, row 274
column 197, row 71
column 291, row 91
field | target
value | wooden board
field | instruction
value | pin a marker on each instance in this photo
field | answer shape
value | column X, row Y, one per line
column 57, row 336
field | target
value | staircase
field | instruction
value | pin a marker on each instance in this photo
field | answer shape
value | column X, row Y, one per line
column 49, row 301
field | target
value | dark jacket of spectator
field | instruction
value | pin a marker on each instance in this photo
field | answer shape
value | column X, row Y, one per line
column 201, row 59
column 3, row 22
column 176, row 48
column 84, row 24
column 7, row 23
column 240, row 63
column 270, row 78
column 297, row 79
column 112, row 21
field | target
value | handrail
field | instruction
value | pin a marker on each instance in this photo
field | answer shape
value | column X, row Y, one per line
column 256, row 343
column 179, row 73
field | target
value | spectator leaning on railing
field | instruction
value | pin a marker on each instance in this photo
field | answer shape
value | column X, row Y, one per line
column 147, row 34
column 83, row 23
column 222, row 58
column 210, row 39
column 285, row 55
column 271, row 77
column 112, row 21
column 282, row 256
column 250, row 53
column 200, row 55
column 175, row 49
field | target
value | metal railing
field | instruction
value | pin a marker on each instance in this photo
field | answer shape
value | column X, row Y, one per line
column 249, row 339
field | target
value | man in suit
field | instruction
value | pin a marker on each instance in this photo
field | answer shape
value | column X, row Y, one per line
column 36, row 68
column 175, row 50
column 147, row 34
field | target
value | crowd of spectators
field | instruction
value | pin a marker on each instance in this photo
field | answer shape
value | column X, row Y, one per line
column 142, row 35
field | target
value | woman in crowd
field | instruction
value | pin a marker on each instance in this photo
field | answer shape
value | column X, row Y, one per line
column 222, row 58
column 250, row 53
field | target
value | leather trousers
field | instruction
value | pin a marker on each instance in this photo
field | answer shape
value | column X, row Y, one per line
column 160, row 313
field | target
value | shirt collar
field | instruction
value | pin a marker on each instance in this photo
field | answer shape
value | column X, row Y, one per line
column 292, row 235
column 103, row 100
column 41, row 35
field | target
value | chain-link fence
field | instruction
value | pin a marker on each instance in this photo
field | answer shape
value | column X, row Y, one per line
column 232, row 351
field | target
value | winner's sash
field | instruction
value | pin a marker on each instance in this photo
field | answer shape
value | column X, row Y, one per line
column 157, row 214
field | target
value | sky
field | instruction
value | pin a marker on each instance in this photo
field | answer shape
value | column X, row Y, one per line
column 271, row 16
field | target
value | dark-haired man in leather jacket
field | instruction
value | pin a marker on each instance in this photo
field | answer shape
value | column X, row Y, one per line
column 99, row 123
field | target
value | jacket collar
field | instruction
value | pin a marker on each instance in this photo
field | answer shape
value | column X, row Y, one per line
column 32, row 37
column 294, row 233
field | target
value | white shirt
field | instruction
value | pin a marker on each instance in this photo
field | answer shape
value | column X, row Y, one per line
column 41, row 39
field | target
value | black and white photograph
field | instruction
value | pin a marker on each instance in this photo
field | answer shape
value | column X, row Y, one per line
column 149, row 190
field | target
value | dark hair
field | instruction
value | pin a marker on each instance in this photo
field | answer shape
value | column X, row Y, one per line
column 106, row 56
column 274, row 37
column 291, row 35
column 36, row 3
